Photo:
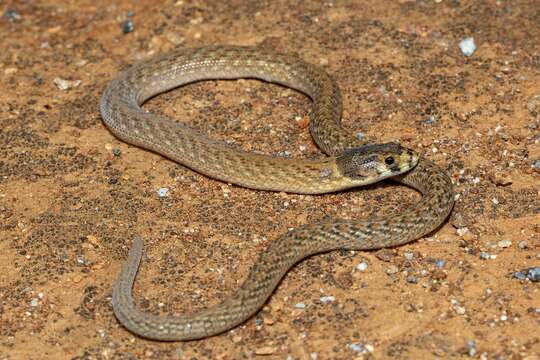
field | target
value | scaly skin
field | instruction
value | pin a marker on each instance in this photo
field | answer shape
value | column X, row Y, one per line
column 121, row 112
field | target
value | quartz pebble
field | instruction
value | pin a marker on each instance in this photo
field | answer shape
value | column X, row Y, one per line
column 408, row 255
column 467, row 46
column 487, row 256
column 504, row 243
column 163, row 192
column 362, row 266
column 327, row 299
column 64, row 84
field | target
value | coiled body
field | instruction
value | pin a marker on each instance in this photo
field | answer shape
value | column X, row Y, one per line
column 121, row 112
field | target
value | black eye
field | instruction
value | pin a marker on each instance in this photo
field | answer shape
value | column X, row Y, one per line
column 389, row 160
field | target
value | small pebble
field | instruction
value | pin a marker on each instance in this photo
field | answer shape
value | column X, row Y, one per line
column 411, row 279
column 93, row 240
column 408, row 255
column 34, row 302
column 302, row 121
column 523, row 245
column 300, row 305
column 284, row 153
column 438, row 275
column 467, row 46
column 265, row 350
column 63, row 84
column 462, row 231
column 362, row 266
column 392, row 269
column 533, row 274
column 385, row 255
column 430, row 120
column 327, row 299
column 117, row 152
column 458, row 220
column 500, row 180
column 12, row 14
column 128, row 26
column 440, row 263
column 536, row 164
column 359, row 348
column 504, row 243
column 484, row 255
column 360, row 135
column 236, row 339
column 471, row 346
column 163, row 192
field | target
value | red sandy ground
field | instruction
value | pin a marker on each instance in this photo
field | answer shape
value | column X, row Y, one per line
column 69, row 207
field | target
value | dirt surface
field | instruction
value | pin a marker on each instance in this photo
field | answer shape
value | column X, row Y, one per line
column 72, row 196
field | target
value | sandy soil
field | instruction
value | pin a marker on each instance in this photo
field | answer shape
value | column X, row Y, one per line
column 72, row 196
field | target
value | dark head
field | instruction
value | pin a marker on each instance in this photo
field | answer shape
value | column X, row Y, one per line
column 372, row 163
